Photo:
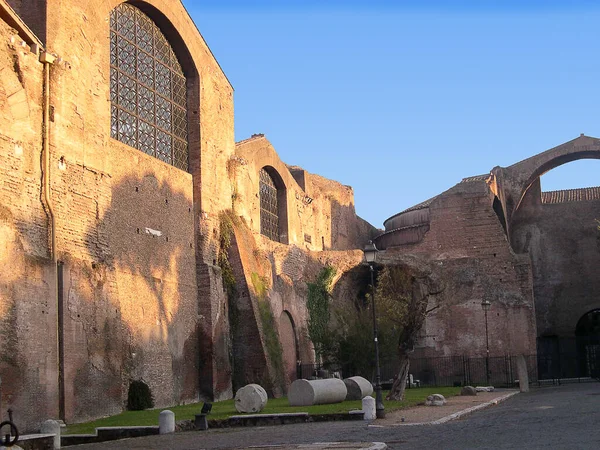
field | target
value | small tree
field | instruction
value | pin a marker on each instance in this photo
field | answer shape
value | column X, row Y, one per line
column 402, row 296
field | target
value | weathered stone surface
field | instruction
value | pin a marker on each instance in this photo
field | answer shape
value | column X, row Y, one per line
column 166, row 422
column 143, row 296
column 358, row 388
column 369, row 408
column 435, row 400
column 252, row 398
column 484, row 388
column 317, row 392
column 468, row 390
column 52, row 427
column 522, row 373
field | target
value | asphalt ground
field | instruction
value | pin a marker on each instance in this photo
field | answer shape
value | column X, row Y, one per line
column 556, row 417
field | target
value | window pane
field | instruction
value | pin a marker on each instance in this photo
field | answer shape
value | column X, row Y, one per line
column 147, row 88
column 269, row 212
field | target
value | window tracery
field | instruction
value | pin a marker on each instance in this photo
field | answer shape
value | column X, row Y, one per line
column 269, row 208
column 147, row 88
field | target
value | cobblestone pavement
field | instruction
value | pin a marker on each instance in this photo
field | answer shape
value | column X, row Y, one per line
column 561, row 417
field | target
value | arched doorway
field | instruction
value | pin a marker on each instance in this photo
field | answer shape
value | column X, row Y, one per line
column 289, row 343
column 587, row 335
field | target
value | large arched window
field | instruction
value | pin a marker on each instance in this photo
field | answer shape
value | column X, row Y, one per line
column 269, row 207
column 147, row 88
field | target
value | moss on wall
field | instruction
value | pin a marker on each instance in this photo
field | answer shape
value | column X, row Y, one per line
column 319, row 293
column 269, row 328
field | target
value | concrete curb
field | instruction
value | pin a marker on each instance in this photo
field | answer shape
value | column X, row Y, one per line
column 464, row 412
column 455, row 415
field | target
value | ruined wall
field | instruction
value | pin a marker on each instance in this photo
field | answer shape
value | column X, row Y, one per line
column 564, row 246
column 269, row 310
column 136, row 236
column 28, row 344
column 320, row 212
column 318, row 227
column 465, row 238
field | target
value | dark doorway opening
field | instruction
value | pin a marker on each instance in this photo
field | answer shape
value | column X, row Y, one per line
column 587, row 335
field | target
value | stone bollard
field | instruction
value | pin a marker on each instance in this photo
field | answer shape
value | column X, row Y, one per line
column 523, row 374
column 52, row 427
column 252, row 398
column 166, row 422
column 368, row 407
column 317, row 392
column 358, row 388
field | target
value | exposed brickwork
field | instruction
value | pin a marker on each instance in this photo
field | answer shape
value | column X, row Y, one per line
column 136, row 239
column 466, row 239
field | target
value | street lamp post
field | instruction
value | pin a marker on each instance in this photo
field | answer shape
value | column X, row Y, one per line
column 370, row 257
column 485, row 304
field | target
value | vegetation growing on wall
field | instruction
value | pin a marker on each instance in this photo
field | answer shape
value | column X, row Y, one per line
column 226, row 224
column 267, row 320
column 319, row 295
column 402, row 298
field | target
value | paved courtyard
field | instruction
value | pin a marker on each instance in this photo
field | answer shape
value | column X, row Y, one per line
column 558, row 417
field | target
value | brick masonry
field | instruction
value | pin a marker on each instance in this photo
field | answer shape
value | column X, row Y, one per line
column 137, row 239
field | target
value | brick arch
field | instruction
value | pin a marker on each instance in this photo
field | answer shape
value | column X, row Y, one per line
column 289, row 341
column 510, row 184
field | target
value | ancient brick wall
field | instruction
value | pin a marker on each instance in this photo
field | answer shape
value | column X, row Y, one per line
column 563, row 243
column 467, row 241
column 319, row 213
column 137, row 292
column 133, row 234
column 28, row 350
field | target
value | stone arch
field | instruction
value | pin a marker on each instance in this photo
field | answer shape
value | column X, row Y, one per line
column 289, row 343
column 512, row 183
column 281, row 199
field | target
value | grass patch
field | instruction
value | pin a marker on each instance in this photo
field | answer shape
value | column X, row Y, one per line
column 225, row 409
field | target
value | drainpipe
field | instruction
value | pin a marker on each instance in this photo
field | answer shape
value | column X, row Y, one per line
column 47, row 60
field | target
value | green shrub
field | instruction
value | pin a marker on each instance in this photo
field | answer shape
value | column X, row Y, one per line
column 139, row 396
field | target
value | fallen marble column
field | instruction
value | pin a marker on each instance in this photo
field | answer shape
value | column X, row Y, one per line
column 317, row 392
column 358, row 388
column 252, row 398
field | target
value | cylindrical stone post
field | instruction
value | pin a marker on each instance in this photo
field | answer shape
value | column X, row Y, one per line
column 368, row 407
column 166, row 422
column 52, row 427
column 523, row 374
column 316, row 392
column 358, row 388
column 252, row 398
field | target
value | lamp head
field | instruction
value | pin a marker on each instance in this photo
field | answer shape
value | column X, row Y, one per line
column 370, row 252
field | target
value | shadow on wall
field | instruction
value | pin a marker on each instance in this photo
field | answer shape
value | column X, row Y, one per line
column 130, row 313
column 349, row 231
column 27, row 323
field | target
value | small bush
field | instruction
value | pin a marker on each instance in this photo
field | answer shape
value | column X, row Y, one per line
column 139, row 396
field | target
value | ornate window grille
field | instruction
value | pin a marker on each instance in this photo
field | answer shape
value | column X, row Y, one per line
column 147, row 88
column 269, row 212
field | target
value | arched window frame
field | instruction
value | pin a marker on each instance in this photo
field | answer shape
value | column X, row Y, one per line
column 149, row 105
column 273, row 205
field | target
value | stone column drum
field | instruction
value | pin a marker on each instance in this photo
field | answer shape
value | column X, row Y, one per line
column 358, row 388
column 317, row 392
column 252, row 398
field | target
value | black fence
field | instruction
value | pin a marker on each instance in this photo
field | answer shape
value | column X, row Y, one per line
column 440, row 371
column 568, row 358
column 557, row 360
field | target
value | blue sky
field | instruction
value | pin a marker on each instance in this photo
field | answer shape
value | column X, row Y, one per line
column 400, row 100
